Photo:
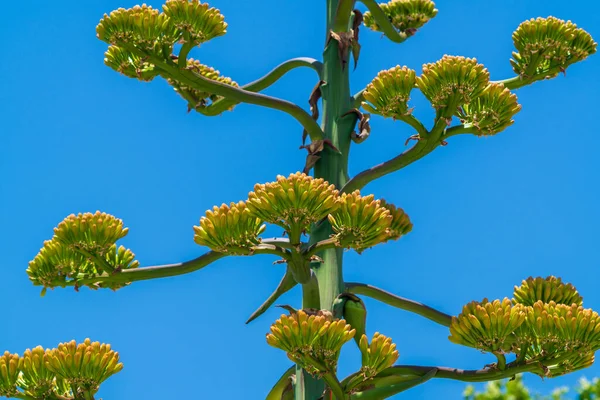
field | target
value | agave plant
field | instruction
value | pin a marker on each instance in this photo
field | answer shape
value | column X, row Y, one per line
column 322, row 210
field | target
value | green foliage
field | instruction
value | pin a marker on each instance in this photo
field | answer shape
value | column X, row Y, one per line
column 515, row 389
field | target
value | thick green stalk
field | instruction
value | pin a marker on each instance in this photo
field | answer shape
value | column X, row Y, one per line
column 333, row 167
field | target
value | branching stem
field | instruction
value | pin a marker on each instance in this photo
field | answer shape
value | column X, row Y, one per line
column 198, row 82
column 399, row 302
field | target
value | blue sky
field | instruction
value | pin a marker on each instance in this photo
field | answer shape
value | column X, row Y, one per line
column 488, row 212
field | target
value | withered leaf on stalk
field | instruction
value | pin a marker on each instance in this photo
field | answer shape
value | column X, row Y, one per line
column 356, row 22
column 314, row 150
column 364, row 127
column 313, row 100
column 345, row 40
column 315, row 95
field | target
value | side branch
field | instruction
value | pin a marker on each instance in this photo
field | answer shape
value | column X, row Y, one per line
column 269, row 79
column 267, row 247
column 479, row 375
column 201, row 83
column 399, row 302
column 383, row 22
column 428, row 141
column 160, row 271
column 419, row 150
column 518, row 81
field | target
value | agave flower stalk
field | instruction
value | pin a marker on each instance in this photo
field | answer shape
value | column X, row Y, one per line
column 322, row 210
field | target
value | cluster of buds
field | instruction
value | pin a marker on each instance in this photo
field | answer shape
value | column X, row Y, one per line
column 405, row 15
column 129, row 64
column 71, row 371
column 93, row 233
column 229, row 229
column 452, row 82
column 488, row 326
column 144, row 27
column 388, row 94
column 83, row 246
column 546, row 46
column 492, row 111
column 293, row 203
column 362, row 222
column 545, row 324
column 378, row 355
column 546, row 290
column 139, row 35
column 195, row 22
column 552, row 330
column 9, row 374
column 37, row 380
column 197, row 97
column 575, row 363
column 148, row 29
column 311, row 339
column 85, row 365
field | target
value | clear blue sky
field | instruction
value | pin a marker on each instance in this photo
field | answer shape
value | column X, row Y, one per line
column 76, row 137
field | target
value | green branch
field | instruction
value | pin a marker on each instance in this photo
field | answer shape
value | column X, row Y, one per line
column 198, row 82
column 459, row 130
column 260, row 84
column 399, row 302
column 357, row 99
column 415, row 124
column 154, row 272
column 418, row 151
column 386, row 391
column 480, row 375
column 335, row 386
column 271, row 247
column 428, row 141
column 287, row 283
column 517, row 82
column 383, row 22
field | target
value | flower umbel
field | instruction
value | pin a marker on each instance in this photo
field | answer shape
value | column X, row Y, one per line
column 452, row 82
column 406, row 15
column 195, row 22
column 129, row 64
column 547, row 46
column 229, row 229
column 85, row 365
column 492, row 111
column 488, row 326
column 553, row 330
column 36, row 379
column 378, row 355
column 546, row 290
column 92, row 233
column 141, row 26
column 360, row 222
column 294, row 203
column 388, row 94
column 312, row 340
